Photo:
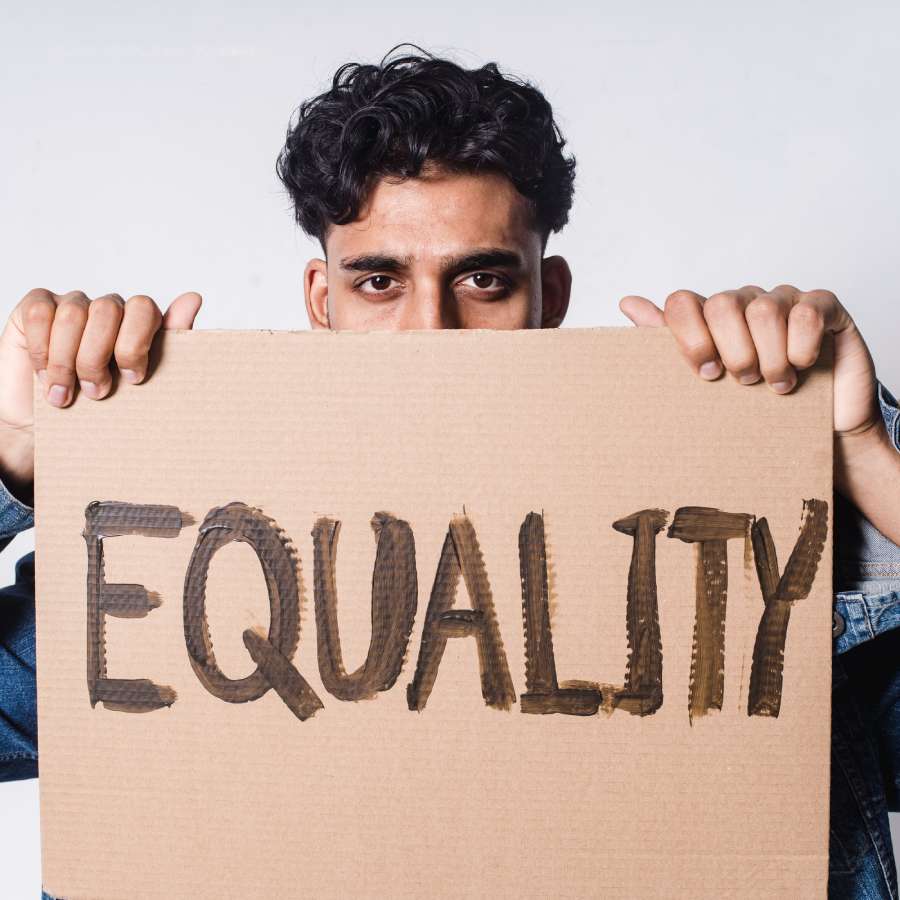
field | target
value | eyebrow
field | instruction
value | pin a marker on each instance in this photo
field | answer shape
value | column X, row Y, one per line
column 490, row 257
column 372, row 261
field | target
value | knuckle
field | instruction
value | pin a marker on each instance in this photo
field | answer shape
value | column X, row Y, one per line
column 786, row 288
column 679, row 304
column 72, row 312
column 802, row 359
column 776, row 373
column 38, row 310
column 762, row 309
column 722, row 302
column 130, row 355
column 38, row 357
column 679, row 296
column 96, row 373
column 108, row 308
column 89, row 360
column 699, row 350
column 60, row 372
column 143, row 304
column 806, row 315
column 38, row 295
column 78, row 297
column 743, row 364
column 823, row 295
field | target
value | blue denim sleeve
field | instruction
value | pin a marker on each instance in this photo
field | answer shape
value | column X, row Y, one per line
column 18, row 690
column 865, row 715
column 891, row 414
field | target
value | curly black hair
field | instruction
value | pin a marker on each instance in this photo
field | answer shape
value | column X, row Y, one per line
column 392, row 118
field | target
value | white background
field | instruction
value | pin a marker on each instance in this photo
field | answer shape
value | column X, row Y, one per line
column 718, row 144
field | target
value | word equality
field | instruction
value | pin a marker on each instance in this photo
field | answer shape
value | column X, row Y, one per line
column 395, row 599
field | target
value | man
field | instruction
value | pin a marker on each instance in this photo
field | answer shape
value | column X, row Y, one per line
column 432, row 190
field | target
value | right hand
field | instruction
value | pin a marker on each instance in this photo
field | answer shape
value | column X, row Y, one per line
column 69, row 341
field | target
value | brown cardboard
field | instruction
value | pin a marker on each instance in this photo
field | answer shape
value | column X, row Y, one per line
column 448, row 440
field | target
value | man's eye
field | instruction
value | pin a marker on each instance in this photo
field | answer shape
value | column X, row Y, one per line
column 376, row 283
column 483, row 280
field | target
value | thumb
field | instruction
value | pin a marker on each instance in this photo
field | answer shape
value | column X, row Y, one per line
column 641, row 311
column 182, row 311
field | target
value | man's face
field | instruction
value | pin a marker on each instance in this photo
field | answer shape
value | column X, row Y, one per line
column 443, row 250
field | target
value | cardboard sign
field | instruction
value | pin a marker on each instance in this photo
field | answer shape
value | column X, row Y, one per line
column 439, row 614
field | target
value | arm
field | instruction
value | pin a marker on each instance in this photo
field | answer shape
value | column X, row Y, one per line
column 68, row 342
column 867, row 468
column 755, row 335
column 18, row 695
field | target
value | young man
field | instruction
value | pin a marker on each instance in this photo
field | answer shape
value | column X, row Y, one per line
column 432, row 190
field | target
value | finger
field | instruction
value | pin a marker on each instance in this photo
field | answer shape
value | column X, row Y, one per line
column 140, row 323
column 814, row 313
column 724, row 314
column 641, row 311
column 684, row 316
column 805, row 330
column 97, row 343
column 834, row 316
column 182, row 311
column 38, row 310
column 855, row 403
column 766, row 316
column 65, row 337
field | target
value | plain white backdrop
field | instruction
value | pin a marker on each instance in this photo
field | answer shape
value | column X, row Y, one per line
column 718, row 144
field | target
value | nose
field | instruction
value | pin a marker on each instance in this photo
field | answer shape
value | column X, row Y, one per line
column 430, row 309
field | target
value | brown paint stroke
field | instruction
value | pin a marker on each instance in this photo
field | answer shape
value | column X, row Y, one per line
column 642, row 694
column 129, row 601
column 780, row 592
column 278, row 670
column 106, row 519
column 394, row 599
column 461, row 555
column 711, row 529
column 544, row 693
column 278, row 559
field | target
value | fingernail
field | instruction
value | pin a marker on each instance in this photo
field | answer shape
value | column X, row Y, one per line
column 89, row 388
column 782, row 387
column 710, row 369
column 131, row 375
column 58, row 394
column 749, row 379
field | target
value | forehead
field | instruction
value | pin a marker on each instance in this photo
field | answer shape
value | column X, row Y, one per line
column 438, row 213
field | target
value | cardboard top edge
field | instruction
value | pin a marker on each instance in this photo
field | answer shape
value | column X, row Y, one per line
column 345, row 333
column 629, row 333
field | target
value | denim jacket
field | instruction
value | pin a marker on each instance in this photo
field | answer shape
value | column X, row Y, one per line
column 865, row 705
column 865, row 751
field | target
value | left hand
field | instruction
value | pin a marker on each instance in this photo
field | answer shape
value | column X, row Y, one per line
column 753, row 333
